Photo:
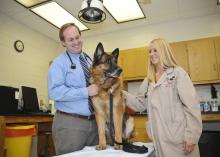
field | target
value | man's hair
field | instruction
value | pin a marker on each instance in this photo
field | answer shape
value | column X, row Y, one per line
column 64, row 27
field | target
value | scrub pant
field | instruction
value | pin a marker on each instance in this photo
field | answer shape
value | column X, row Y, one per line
column 71, row 133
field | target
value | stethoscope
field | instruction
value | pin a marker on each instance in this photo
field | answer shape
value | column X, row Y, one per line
column 87, row 58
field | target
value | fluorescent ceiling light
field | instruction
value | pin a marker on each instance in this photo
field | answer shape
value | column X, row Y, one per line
column 55, row 14
column 30, row 3
column 124, row 10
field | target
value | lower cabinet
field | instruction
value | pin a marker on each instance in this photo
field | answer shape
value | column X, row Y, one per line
column 140, row 133
column 209, row 144
column 45, row 146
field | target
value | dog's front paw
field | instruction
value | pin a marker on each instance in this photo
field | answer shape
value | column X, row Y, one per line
column 100, row 147
column 117, row 147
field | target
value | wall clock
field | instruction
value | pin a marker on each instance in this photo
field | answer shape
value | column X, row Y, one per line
column 19, row 45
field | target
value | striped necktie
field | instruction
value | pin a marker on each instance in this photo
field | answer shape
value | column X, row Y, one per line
column 87, row 76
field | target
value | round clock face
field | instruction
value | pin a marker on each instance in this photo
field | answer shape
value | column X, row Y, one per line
column 19, row 45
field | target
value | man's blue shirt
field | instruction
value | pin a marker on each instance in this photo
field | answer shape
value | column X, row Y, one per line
column 66, row 86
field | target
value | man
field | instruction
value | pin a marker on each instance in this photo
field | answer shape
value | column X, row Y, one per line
column 74, row 124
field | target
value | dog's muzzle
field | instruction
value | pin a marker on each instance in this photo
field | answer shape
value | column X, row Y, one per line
column 113, row 74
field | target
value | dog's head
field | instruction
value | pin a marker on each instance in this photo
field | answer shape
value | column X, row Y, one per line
column 106, row 63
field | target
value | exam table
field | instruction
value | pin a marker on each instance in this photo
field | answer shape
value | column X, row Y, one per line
column 90, row 151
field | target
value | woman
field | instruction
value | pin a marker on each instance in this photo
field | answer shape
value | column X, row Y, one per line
column 169, row 96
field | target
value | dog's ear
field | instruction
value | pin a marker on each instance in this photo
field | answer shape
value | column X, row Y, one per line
column 98, row 53
column 115, row 54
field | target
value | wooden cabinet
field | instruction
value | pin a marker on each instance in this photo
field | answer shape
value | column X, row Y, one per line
column 217, row 50
column 134, row 63
column 140, row 133
column 203, row 64
column 43, row 123
column 45, row 146
column 2, row 134
column 181, row 55
column 199, row 58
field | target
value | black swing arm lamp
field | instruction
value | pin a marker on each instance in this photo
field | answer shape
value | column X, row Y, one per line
column 92, row 11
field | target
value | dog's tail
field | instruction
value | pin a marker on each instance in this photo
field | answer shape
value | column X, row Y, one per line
column 128, row 126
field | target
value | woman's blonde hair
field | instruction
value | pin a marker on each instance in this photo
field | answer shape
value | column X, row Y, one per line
column 166, row 58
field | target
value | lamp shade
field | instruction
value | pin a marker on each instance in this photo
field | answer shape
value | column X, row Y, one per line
column 92, row 11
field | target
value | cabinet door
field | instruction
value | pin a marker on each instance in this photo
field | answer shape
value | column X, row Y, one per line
column 134, row 63
column 202, row 60
column 45, row 144
column 2, row 135
column 217, row 50
column 142, row 62
column 140, row 133
column 127, row 63
column 181, row 55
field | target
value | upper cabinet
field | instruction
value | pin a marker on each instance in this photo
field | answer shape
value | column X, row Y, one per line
column 134, row 63
column 180, row 53
column 203, row 64
column 217, row 48
column 199, row 58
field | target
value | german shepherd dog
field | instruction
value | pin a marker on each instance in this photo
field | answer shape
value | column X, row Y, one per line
column 105, row 72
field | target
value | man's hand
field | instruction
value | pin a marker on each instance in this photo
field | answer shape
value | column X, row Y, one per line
column 93, row 89
column 188, row 147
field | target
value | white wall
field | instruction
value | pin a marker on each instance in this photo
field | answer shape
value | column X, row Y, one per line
column 30, row 67
column 203, row 91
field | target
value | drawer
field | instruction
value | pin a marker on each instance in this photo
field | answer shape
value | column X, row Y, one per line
column 44, row 127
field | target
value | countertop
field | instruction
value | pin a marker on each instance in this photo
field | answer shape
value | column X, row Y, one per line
column 206, row 117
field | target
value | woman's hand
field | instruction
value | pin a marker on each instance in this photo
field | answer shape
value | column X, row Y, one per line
column 188, row 147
